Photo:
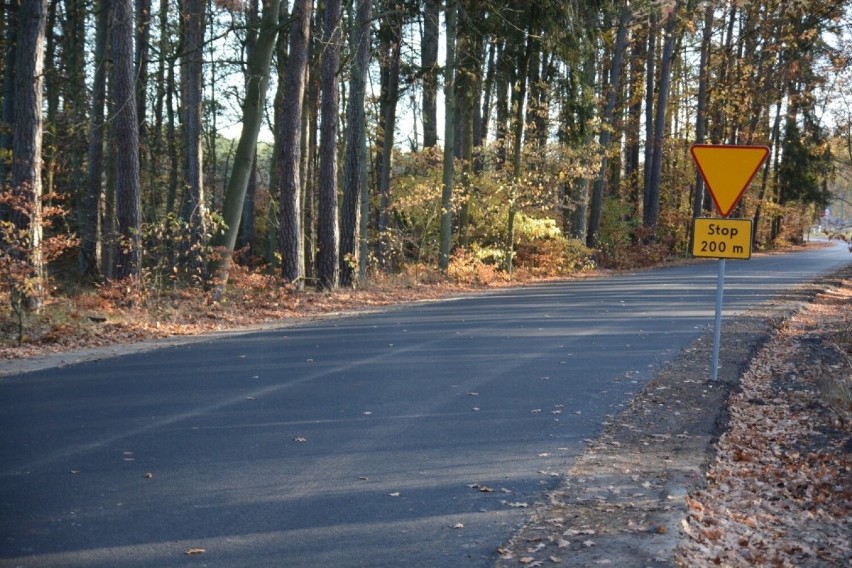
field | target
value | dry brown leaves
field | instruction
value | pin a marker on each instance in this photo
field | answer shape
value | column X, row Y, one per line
column 780, row 490
column 120, row 314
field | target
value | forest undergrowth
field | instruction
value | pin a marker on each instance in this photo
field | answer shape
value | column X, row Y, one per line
column 127, row 311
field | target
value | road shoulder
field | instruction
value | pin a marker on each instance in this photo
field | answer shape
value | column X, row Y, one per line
column 623, row 501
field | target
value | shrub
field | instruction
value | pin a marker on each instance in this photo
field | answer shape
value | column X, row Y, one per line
column 469, row 266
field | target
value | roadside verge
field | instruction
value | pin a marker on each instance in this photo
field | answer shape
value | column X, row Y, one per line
column 624, row 501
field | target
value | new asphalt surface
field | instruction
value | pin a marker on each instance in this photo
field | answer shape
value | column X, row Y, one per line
column 418, row 436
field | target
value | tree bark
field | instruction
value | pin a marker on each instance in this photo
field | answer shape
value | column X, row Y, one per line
column 633, row 124
column 7, row 111
column 245, row 238
column 701, row 110
column 290, row 145
column 90, row 238
column 192, row 210
column 253, row 106
column 487, row 93
column 429, row 62
column 126, row 143
column 596, row 209
column 580, row 217
column 519, row 95
column 143, row 33
column 650, row 81
column 449, row 137
column 354, row 167
column 328, row 230
column 390, row 51
column 652, row 204
column 27, row 140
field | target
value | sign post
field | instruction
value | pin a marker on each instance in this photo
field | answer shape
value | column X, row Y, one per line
column 727, row 171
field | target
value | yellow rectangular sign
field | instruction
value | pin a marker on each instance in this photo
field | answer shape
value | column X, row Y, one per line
column 721, row 238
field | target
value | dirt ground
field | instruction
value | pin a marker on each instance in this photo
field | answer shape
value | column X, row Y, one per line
column 754, row 469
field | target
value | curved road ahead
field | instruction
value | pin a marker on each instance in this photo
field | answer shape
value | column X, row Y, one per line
column 347, row 442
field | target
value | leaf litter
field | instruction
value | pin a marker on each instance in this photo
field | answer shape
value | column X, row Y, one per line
column 780, row 489
column 663, row 486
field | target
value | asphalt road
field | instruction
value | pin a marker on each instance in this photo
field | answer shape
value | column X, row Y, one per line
column 360, row 441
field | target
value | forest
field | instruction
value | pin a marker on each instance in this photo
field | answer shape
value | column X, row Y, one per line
column 320, row 145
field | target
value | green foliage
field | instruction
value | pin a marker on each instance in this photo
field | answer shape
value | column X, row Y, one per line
column 173, row 254
column 542, row 250
column 414, row 231
column 805, row 164
column 486, row 199
column 618, row 223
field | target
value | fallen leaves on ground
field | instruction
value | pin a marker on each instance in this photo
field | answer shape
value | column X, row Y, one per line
column 779, row 492
column 118, row 314
column 193, row 551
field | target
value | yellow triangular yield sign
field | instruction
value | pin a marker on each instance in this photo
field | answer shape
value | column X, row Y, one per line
column 727, row 171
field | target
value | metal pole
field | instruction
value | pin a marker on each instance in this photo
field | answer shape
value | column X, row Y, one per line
column 717, row 332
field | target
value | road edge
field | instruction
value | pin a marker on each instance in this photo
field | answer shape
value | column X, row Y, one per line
column 622, row 501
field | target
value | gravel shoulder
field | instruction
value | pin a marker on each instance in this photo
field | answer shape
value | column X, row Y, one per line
column 641, row 493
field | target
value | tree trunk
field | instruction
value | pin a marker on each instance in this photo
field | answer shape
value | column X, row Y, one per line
column 253, row 106
column 390, row 42
column 468, row 84
column 650, row 81
column 354, row 168
column 579, row 219
column 7, row 113
column 126, row 143
column 774, row 139
column 487, row 93
column 720, row 114
column 52, row 73
column 27, row 141
column 90, row 238
column 701, row 111
column 429, row 62
column 328, row 230
column 71, row 159
column 519, row 95
column 164, row 46
column 171, row 136
column 449, row 137
column 615, row 84
column 505, row 66
column 192, row 210
column 245, row 238
column 290, row 145
column 143, row 33
column 652, row 204
column 309, row 163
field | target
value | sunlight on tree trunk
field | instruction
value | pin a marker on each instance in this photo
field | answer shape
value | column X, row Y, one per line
column 27, row 145
column 449, row 138
column 253, row 106
column 355, row 167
